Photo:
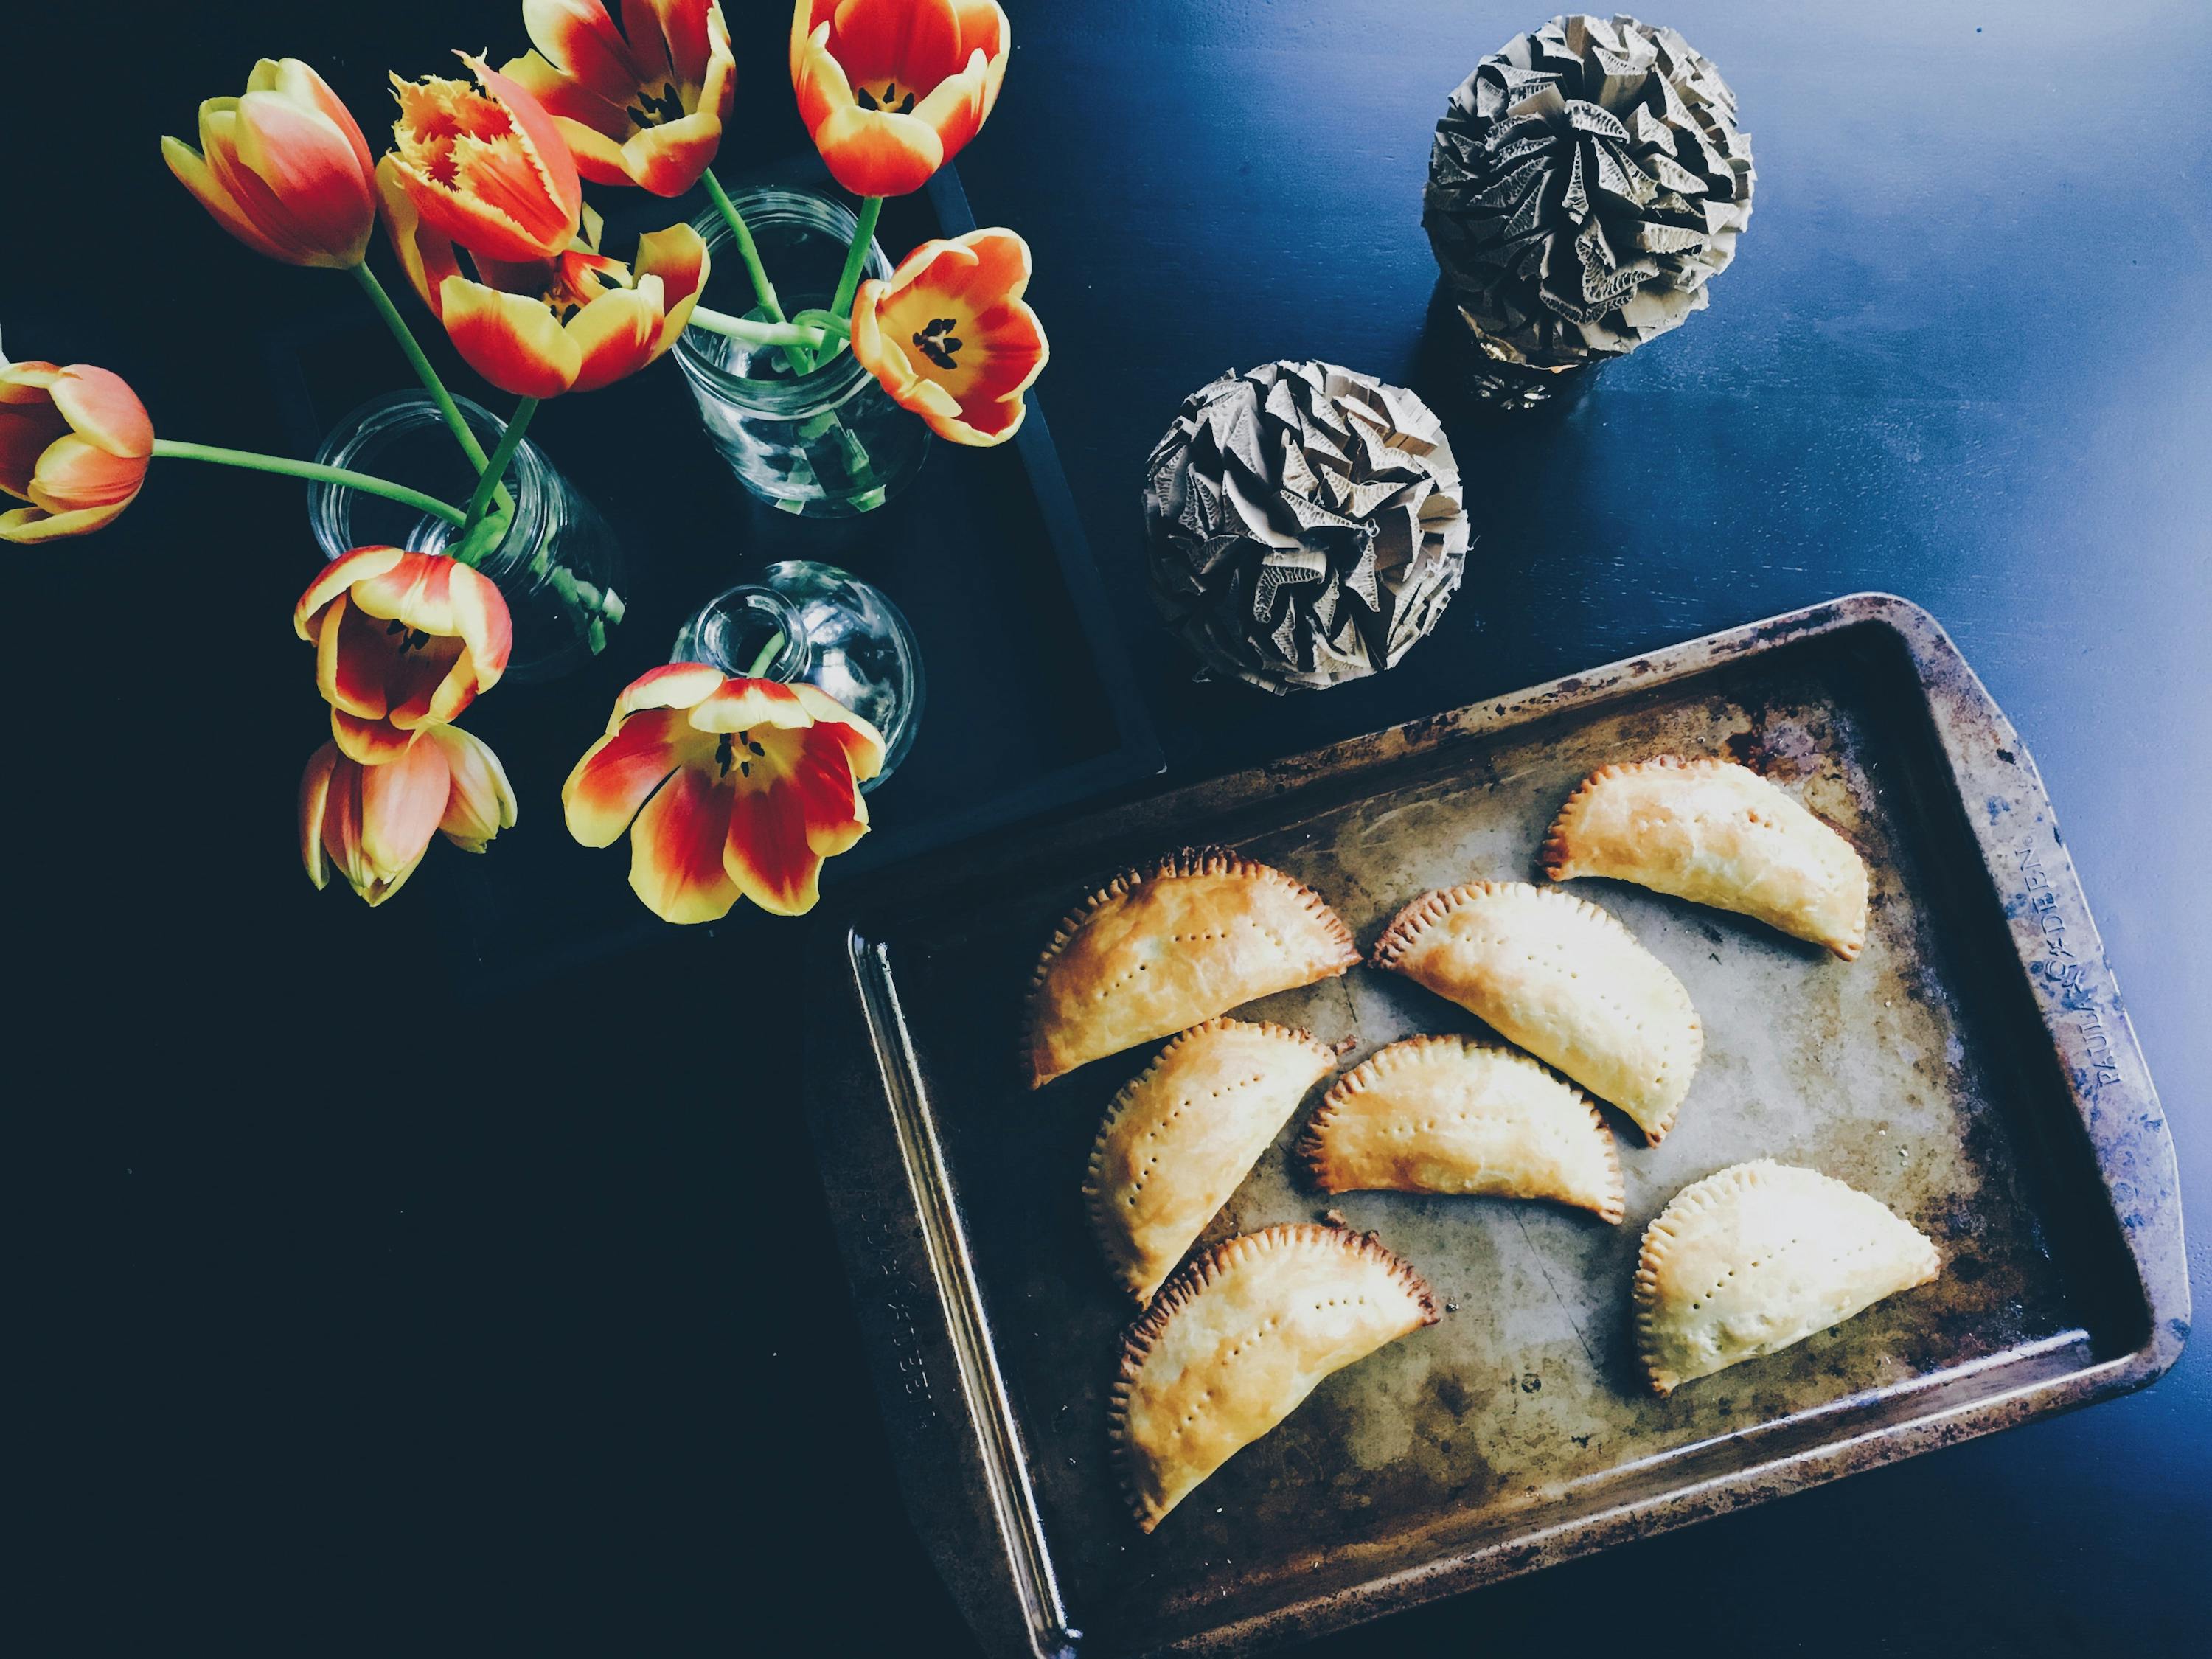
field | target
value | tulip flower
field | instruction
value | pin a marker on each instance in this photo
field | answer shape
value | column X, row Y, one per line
column 487, row 169
column 75, row 442
column 951, row 338
column 374, row 823
column 403, row 642
column 736, row 787
column 539, row 327
column 646, row 110
column 284, row 168
column 891, row 90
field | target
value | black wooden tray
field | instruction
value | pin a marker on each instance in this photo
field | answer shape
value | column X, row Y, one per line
column 1974, row 1069
column 1031, row 704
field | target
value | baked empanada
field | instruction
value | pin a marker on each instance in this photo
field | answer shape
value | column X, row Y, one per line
column 1718, row 834
column 1237, row 1339
column 1158, row 950
column 1762, row 1256
column 1565, row 980
column 1449, row 1115
column 1178, row 1139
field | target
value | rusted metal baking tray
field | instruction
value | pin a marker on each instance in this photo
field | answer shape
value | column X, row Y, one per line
column 1973, row 1069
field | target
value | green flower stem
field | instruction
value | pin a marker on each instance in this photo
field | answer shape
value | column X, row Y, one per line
column 419, row 360
column 744, row 328
column 496, row 468
column 175, row 449
column 824, row 321
column 796, row 358
column 856, row 255
column 769, row 654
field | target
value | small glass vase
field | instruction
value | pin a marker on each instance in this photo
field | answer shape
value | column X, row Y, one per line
column 559, row 567
column 829, row 444
column 819, row 625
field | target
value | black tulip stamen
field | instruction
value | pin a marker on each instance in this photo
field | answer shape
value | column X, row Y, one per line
column 888, row 103
column 725, row 753
column 938, row 344
column 651, row 109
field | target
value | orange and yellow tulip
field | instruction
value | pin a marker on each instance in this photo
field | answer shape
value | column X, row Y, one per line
column 540, row 327
column 75, row 442
column 283, row 168
column 487, row 169
column 374, row 823
column 891, row 90
column 403, row 642
column 951, row 338
column 736, row 787
column 646, row 110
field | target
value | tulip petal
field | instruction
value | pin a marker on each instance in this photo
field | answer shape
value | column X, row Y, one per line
column 74, row 473
column 369, row 742
column 569, row 103
column 193, row 173
column 614, row 335
column 26, row 526
column 401, row 803
column 672, row 686
column 25, row 430
column 677, row 257
column 104, row 409
column 307, row 166
column 915, row 43
column 579, row 38
column 338, row 576
column 676, row 850
column 767, row 855
column 864, row 745
column 314, row 800
column 738, row 705
column 619, row 773
column 300, row 82
column 871, row 153
column 668, row 160
column 512, row 340
column 481, row 802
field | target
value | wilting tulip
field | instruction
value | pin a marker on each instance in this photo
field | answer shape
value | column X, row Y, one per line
column 374, row 823
column 486, row 169
column 738, row 786
column 891, row 90
column 646, row 110
column 75, row 442
column 951, row 338
column 539, row 327
column 403, row 640
column 284, row 168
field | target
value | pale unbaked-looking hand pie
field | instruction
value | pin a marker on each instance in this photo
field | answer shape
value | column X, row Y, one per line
column 1563, row 979
column 1179, row 1137
column 1237, row 1339
column 1158, row 950
column 1449, row 1115
column 1760, row 1256
column 1718, row 834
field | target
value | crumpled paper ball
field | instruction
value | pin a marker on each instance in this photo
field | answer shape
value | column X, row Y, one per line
column 1306, row 524
column 1586, row 183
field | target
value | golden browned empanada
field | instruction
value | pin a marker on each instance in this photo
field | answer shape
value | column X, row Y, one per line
column 1718, row 834
column 1178, row 1139
column 1237, row 1339
column 1762, row 1256
column 1156, row 951
column 1449, row 1115
column 1565, row 980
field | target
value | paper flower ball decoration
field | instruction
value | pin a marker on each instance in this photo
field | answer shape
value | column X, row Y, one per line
column 1305, row 523
column 1585, row 185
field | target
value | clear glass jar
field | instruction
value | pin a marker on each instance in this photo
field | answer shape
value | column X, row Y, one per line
column 829, row 444
column 816, row 625
column 559, row 567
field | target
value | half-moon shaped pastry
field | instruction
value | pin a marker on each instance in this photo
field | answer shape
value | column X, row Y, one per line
column 1449, row 1115
column 1155, row 951
column 1237, row 1339
column 1718, row 834
column 1178, row 1139
column 1762, row 1256
column 1565, row 980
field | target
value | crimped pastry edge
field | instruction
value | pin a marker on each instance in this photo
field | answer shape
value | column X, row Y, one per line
column 1694, row 1198
column 1191, row 1281
column 1424, row 912
column 1557, row 856
column 1188, row 861
column 1310, row 1149
column 1094, row 1195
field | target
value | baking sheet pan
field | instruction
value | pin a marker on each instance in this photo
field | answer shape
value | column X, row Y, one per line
column 1974, row 1069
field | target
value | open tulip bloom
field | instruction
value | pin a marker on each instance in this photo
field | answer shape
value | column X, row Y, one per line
column 891, row 90
column 728, row 787
column 951, row 339
column 644, row 109
column 403, row 640
column 374, row 823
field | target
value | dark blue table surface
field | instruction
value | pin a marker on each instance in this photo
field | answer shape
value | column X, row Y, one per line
column 363, row 1311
